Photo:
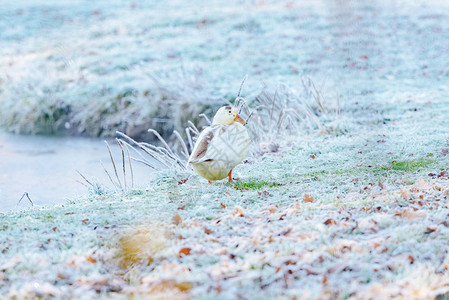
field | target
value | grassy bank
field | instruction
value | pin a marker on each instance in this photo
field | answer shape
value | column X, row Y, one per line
column 324, row 217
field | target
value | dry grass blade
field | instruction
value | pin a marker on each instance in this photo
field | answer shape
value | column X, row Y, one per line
column 150, row 152
column 240, row 104
column 194, row 129
column 109, row 176
column 163, row 157
column 123, row 161
column 317, row 97
column 279, row 123
column 161, row 139
column 189, row 137
column 314, row 118
column 241, row 85
column 311, row 91
column 130, row 165
column 113, row 164
column 28, row 197
column 145, row 162
column 158, row 153
column 85, row 179
column 164, row 154
column 273, row 104
column 82, row 183
column 182, row 143
column 249, row 116
column 205, row 117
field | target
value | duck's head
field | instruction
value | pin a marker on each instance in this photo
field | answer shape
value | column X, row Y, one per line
column 227, row 115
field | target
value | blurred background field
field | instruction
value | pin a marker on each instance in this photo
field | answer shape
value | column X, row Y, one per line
column 93, row 67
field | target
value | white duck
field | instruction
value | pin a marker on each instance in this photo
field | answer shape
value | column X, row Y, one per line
column 221, row 146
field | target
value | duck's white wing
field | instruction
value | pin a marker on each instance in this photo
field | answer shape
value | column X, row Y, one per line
column 201, row 147
column 221, row 143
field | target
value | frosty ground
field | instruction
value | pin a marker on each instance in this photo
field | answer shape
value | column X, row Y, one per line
column 361, row 215
column 356, row 207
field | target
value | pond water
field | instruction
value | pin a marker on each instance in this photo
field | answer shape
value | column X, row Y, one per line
column 46, row 168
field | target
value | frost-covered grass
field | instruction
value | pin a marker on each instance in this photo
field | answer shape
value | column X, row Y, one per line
column 359, row 215
column 355, row 207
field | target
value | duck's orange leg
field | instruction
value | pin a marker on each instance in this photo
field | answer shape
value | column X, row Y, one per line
column 210, row 182
column 230, row 176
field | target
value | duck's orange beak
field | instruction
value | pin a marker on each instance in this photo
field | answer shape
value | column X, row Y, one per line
column 238, row 119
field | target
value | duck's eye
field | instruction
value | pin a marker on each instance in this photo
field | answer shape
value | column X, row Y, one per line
column 230, row 112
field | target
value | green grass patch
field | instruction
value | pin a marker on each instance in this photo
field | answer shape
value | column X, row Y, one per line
column 254, row 184
column 46, row 217
column 409, row 165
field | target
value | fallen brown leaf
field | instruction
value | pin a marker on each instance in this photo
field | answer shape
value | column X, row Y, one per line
column 176, row 219
column 429, row 230
column 272, row 209
column 307, row 198
column 138, row 246
column 184, row 252
column 330, row 222
column 290, row 262
column 410, row 214
column 184, row 286
column 285, row 233
column 183, row 181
